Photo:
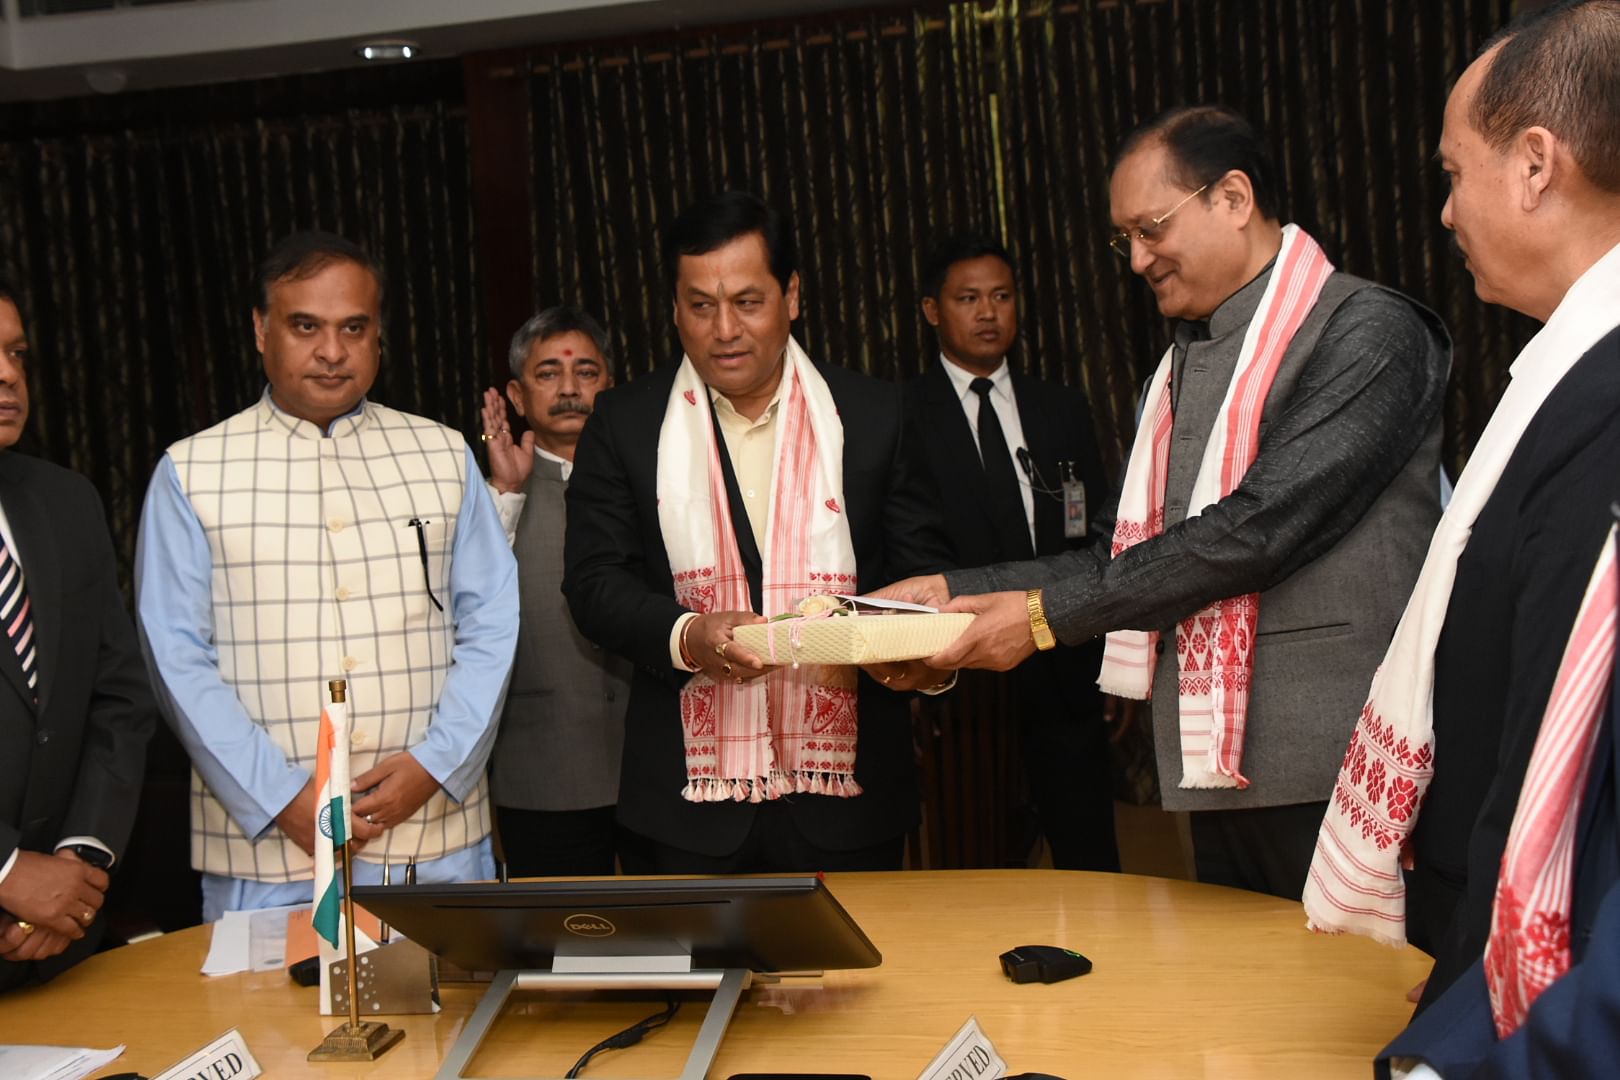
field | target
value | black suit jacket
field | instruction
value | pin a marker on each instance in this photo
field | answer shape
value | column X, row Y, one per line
column 1057, row 427
column 1571, row 1029
column 1519, row 584
column 622, row 596
column 72, row 766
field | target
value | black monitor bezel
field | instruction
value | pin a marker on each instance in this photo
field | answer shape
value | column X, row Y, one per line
column 765, row 924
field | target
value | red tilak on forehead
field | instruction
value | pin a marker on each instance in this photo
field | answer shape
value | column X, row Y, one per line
column 568, row 352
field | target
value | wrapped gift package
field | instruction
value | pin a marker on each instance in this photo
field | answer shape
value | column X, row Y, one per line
column 853, row 639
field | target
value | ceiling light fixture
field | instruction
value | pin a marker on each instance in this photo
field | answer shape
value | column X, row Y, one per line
column 390, row 49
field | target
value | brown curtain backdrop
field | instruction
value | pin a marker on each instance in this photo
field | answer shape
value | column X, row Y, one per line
column 135, row 251
column 133, row 225
column 880, row 131
column 1350, row 94
column 861, row 129
column 133, row 222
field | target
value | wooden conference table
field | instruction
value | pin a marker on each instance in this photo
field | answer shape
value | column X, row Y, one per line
column 1190, row 981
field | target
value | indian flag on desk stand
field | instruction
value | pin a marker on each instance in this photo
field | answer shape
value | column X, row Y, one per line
column 331, row 830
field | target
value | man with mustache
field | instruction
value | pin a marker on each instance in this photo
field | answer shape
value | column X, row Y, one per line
column 555, row 769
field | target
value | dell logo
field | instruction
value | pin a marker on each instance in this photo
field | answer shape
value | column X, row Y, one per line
column 589, row 926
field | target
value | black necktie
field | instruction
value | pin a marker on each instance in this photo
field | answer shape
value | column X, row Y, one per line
column 1006, row 502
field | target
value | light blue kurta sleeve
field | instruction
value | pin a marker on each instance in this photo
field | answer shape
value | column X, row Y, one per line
column 484, row 605
column 236, row 757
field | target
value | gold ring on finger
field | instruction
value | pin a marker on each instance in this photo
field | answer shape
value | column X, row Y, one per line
column 739, row 680
column 487, row 437
column 725, row 669
column 87, row 918
column 885, row 679
column 25, row 926
column 722, row 647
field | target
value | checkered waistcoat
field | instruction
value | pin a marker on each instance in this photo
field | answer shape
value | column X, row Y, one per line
column 317, row 575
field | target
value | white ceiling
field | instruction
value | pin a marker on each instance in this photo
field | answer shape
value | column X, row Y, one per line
column 206, row 41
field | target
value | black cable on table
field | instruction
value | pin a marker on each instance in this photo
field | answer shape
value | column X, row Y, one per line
column 630, row 1035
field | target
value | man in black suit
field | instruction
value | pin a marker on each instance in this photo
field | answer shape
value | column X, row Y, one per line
column 75, row 712
column 1532, row 148
column 1003, row 443
column 682, row 524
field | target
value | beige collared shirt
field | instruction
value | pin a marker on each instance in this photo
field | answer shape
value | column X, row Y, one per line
column 750, row 445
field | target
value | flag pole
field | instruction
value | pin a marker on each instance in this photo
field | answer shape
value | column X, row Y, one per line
column 356, row 1039
column 348, row 927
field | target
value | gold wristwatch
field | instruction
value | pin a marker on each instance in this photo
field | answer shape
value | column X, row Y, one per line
column 1038, row 628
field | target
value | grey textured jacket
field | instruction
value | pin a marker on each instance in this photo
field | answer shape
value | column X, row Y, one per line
column 562, row 734
column 1330, row 525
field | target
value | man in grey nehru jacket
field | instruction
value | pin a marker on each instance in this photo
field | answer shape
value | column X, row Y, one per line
column 1275, row 511
column 555, row 770
column 319, row 535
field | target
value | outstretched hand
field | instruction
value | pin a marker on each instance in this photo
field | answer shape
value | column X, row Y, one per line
column 997, row 639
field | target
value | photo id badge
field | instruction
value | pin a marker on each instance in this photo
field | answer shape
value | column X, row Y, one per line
column 1074, row 508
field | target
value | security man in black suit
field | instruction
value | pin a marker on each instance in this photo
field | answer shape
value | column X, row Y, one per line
column 75, row 711
column 736, row 292
column 1002, row 444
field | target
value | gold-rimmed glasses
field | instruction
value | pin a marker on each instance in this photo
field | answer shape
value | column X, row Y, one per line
column 1149, row 233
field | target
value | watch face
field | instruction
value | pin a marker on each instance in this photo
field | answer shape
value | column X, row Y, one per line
column 92, row 855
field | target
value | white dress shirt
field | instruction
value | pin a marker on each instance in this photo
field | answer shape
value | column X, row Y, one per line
column 1006, row 406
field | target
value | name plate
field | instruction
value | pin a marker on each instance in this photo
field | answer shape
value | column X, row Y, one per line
column 226, row 1058
column 968, row 1056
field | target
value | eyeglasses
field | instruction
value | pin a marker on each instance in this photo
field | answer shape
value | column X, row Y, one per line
column 1149, row 233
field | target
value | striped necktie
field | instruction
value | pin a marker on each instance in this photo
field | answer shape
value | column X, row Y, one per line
column 16, row 614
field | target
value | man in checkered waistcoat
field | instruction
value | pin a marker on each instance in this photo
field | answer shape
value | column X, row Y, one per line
column 318, row 535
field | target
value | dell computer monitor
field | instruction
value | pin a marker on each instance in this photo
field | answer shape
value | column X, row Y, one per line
column 759, row 924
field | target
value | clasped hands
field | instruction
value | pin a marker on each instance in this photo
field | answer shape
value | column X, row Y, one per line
column 385, row 795
column 709, row 644
column 48, row 901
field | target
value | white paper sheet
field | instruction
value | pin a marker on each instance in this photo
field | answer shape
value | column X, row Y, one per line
column 53, row 1062
column 891, row 605
column 249, row 940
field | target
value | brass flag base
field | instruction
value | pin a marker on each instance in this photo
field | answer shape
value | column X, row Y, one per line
column 366, row 1040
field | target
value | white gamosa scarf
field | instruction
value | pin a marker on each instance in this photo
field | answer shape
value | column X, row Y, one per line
column 794, row 729
column 1214, row 646
column 1355, row 882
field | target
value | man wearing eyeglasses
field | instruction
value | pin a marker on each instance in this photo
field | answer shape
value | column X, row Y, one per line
column 1275, row 511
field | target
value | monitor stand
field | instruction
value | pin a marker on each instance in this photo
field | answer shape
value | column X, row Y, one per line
column 728, row 985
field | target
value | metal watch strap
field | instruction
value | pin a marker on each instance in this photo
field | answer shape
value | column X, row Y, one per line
column 1039, row 630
